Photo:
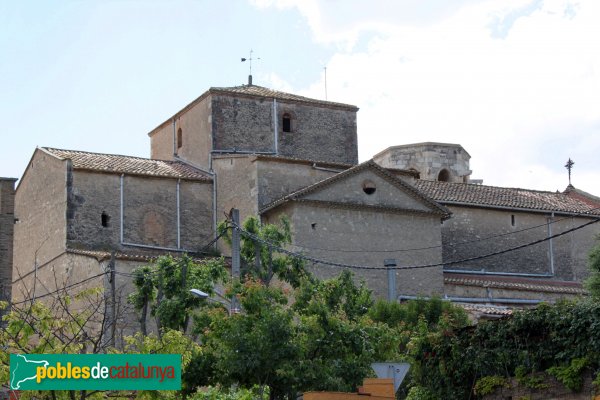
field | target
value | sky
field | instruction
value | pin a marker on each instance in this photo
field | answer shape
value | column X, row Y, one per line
column 515, row 82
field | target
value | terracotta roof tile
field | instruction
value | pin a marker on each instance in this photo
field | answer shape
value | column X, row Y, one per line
column 580, row 195
column 254, row 90
column 536, row 285
column 486, row 309
column 113, row 163
column 144, row 256
column 493, row 196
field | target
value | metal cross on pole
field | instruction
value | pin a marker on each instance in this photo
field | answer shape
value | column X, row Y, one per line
column 569, row 167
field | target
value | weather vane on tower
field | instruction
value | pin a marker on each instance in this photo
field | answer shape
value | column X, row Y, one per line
column 569, row 167
column 249, row 59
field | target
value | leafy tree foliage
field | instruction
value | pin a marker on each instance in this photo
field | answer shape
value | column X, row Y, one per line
column 262, row 262
column 337, row 339
column 448, row 363
column 324, row 341
column 164, row 288
column 593, row 282
column 67, row 323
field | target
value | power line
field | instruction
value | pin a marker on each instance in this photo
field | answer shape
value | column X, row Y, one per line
column 363, row 267
column 63, row 288
column 587, row 213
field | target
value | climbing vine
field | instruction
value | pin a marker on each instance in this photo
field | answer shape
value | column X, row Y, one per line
column 562, row 340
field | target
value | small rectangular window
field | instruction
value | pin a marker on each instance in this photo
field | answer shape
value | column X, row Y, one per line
column 287, row 123
column 512, row 220
column 105, row 219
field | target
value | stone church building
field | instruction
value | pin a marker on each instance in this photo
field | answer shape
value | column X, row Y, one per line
column 269, row 153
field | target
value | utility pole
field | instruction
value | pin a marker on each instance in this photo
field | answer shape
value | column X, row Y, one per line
column 113, row 299
column 390, row 264
column 235, row 251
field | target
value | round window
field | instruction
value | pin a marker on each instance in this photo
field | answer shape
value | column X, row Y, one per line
column 368, row 187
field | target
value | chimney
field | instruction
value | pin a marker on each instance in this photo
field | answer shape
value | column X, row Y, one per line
column 249, row 80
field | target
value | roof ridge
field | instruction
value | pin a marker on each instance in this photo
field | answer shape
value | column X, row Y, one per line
column 111, row 154
column 123, row 164
column 488, row 186
column 254, row 90
column 432, row 204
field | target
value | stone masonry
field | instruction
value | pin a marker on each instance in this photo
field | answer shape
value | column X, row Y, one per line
column 433, row 161
column 250, row 119
column 7, row 223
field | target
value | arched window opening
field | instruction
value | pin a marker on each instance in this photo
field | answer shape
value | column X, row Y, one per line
column 444, row 176
column 179, row 138
column 287, row 122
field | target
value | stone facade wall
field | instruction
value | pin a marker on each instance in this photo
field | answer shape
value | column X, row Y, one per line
column 428, row 159
column 277, row 179
column 236, row 185
column 352, row 236
column 195, row 128
column 79, row 272
column 473, row 225
column 7, row 224
column 162, row 144
column 351, row 190
column 40, row 206
column 225, row 122
column 149, row 212
column 318, row 133
column 242, row 124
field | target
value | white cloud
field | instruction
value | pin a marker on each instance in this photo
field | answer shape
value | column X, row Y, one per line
column 516, row 83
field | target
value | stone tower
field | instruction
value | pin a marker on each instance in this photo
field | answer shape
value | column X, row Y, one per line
column 7, row 221
column 433, row 161
column 252, row 119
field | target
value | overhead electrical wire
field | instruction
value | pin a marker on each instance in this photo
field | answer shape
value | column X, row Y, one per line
column 364, row 267
column 315, row 261
column 466, row 242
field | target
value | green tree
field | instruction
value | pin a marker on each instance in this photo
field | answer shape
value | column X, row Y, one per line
column 592, row 284
column 337, row 339
column 164, row 287
column 260, row 261
column 252, row 348
column 65, row 323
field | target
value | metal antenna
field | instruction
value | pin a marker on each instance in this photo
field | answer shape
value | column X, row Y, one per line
column 325, row 69
column 569, row 167
column 249, row 59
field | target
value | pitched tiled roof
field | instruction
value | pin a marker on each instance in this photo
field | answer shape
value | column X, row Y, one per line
column 143, row 256
column 260, row 91
column 500, row 197
column 524, row 284
column 580, row 195
column 434, row 207
column 486, row 309
column 113, row 163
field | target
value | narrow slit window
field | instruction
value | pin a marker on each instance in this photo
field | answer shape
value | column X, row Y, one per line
column 512, row 220
column 287, row 122
column 105, row 219
column 179, row 138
